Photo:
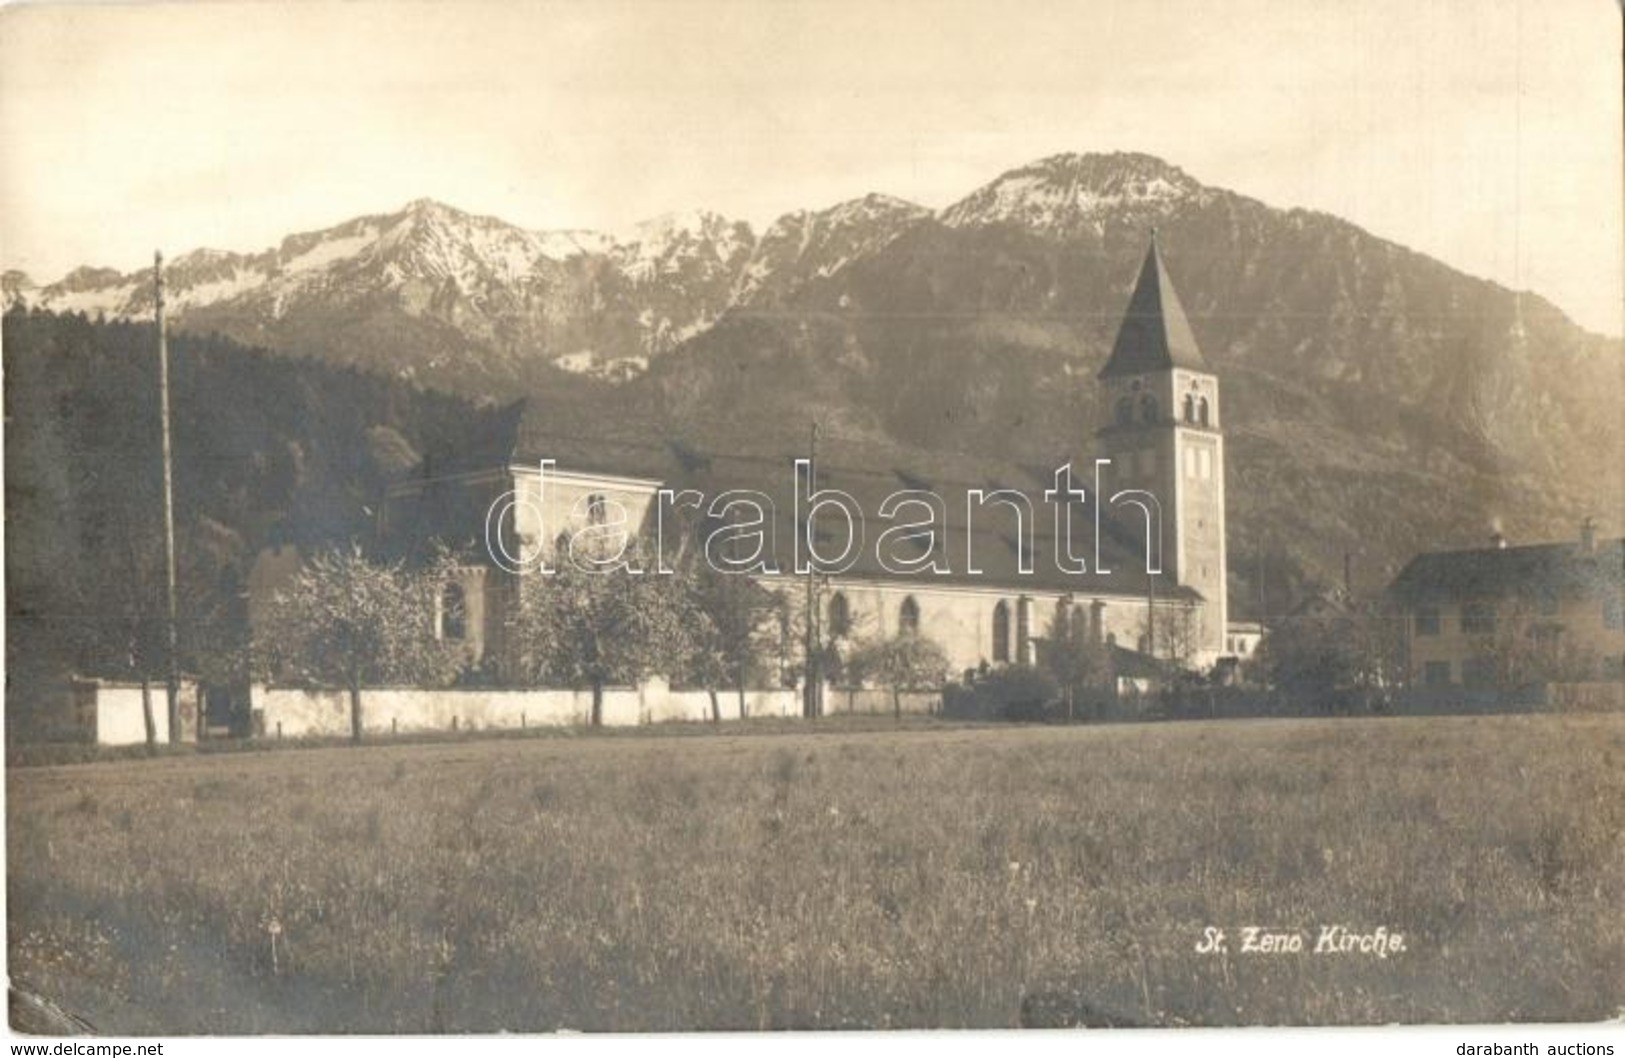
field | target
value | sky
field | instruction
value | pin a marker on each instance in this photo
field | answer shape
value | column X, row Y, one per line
column 1487, row 134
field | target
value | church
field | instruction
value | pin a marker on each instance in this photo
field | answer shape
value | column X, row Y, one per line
column 1130, row 545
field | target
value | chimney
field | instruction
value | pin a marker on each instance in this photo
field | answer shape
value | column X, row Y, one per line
column 1588, row 536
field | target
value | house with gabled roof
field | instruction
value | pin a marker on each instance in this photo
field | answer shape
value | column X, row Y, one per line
column 1511, row 615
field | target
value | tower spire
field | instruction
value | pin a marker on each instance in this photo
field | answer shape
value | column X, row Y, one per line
column 1155, row 334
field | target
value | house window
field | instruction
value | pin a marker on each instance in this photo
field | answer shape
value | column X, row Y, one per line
column 1427, row 621
column 1478, row 619
column 908, row 617
column 1001, row 632
column 840, row 616
column 596, row 509
column 1546, row 637
column 1613, row 612
column 1478, row 672
column 453, row 613
column 1436, row 673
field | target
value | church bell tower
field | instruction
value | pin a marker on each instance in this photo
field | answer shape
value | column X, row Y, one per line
column 1161, row 414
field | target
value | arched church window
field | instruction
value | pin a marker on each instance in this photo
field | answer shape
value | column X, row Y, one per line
column 1125, row 412
column 1190, row 407
column 1148, row 408
column 453, row 613
column 908, row 617
column 1201, row 410
column 1001, row 632
column 840, row 616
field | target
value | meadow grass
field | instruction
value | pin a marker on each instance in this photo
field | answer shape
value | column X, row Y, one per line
column 922, row 877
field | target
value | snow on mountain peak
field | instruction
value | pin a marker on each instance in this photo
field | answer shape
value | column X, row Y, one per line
column 664, row 242
column 424, row 207
column 669, row 276
column 661, row 231
column 820, row 243
column 1064, row 192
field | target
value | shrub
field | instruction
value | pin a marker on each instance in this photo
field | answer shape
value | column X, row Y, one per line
column 1016, row 692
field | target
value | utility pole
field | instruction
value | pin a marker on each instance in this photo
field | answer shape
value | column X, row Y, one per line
column 1263, row 605
column 173, row 680
column 1151, row 613
column 812, row 687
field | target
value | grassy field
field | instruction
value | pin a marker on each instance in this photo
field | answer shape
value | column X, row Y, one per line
column 937, row 877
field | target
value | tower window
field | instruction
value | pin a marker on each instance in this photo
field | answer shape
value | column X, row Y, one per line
column 1125, row 412
column 1201, row 411
column 1190, row 407
column 908, row 617
column 1148, row 408
column 1001, row 632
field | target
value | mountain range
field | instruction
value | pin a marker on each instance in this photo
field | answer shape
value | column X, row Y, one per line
column 453, row 299
column 1379, row 402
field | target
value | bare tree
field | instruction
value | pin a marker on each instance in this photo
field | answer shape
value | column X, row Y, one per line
column 903, row 662
column 1070, row 655
column 1527, row 649
column 727, row 635
column 597, row 626
column 347, row 621
column 1172, row 634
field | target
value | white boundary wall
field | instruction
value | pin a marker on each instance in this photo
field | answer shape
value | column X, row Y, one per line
column 301, row 713
column 109, row 712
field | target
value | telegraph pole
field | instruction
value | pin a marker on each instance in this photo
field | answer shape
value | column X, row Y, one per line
column 173, row 680
column 1150, row 613
column 1263, row 606
column 812, row 688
